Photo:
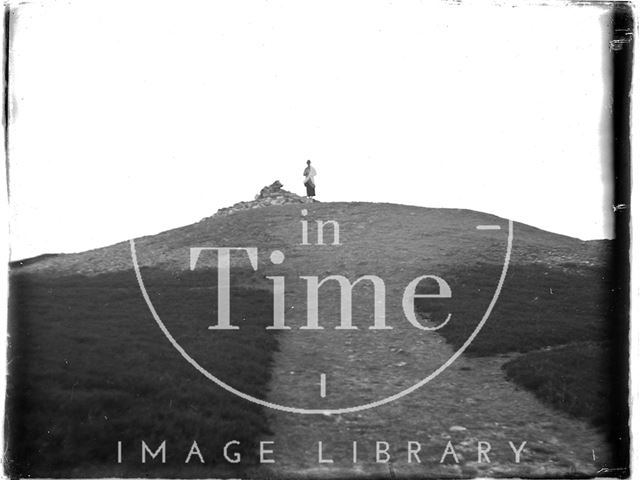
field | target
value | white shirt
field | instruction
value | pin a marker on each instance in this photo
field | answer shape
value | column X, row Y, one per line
column 310, row 175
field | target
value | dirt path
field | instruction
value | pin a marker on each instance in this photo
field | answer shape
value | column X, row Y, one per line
column 468, row 403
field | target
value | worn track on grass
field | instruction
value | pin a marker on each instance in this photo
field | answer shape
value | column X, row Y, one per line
column 472, row 394
column 469, row 402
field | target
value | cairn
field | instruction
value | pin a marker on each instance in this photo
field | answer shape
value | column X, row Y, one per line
column 270, row 195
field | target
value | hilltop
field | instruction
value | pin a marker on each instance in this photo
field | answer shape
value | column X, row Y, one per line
column 386, row 231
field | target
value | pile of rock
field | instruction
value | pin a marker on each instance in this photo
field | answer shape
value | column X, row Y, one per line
column 270, row 195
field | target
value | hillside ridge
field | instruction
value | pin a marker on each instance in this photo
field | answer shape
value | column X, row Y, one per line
column 388, row 231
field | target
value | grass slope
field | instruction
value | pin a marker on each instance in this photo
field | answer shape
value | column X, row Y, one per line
column 575, row 378
column 539, row 306
column 389, row 233
column 558, row 317
column 89, row 367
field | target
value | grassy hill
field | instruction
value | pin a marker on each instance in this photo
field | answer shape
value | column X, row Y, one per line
column 89, row 366
column 395, row 232
column 87, row 369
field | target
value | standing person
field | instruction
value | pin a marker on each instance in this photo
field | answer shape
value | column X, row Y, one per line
column 309, row 182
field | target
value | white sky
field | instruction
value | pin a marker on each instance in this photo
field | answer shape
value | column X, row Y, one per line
column 130, row 118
